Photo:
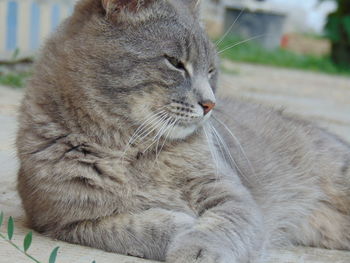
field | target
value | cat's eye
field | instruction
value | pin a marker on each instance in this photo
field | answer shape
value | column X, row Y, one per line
column 211, row 72
column 176, row 62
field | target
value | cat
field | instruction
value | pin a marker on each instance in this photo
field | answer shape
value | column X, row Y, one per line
column 123, row 146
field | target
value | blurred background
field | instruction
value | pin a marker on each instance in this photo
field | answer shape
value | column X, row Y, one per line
column 307, row 34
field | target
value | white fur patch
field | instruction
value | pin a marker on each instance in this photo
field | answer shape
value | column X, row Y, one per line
column 189, row 68
column 180, row 132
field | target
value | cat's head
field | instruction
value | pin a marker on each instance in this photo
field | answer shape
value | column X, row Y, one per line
column 148, row 62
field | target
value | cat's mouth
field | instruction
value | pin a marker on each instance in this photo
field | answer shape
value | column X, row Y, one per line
column 170, row 122
column 186, row 119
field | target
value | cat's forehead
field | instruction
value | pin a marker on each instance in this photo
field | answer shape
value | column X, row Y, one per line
column 186, row 42
column 172, row 29
column 185, row 33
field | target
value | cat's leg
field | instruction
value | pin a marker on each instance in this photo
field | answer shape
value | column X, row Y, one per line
column 328, row 225
column 145, row 235
column 229, row 229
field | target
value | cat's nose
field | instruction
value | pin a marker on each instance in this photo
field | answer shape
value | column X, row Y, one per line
column 207, row 106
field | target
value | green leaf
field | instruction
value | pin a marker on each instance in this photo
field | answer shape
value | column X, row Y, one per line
column 10, row 228
column 53, row 255
column 27, row 241
column 1, row 218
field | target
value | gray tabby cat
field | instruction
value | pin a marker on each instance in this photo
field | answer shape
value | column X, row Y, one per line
column 121, row 149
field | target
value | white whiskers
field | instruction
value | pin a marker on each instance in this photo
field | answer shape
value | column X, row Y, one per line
column 149, row 119
column 241, row 42
column 238, row 143
column 211, row 147
column 147, row 127
column 166, row 134
column 225, row 150
column 156, row 138
column 158, row 121
column 230, row 28
column 156, row 126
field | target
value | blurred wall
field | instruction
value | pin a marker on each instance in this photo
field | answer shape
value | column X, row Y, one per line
column 24, row 24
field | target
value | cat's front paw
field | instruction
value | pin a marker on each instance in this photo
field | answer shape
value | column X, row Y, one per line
column 191, row 249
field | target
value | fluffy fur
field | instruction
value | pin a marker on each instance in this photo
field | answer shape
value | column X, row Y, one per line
column 116, row 151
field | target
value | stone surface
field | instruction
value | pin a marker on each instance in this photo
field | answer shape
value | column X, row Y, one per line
column 320, row 98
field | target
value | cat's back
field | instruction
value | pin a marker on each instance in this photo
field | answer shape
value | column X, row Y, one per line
column 290, row 166
column 269, row 145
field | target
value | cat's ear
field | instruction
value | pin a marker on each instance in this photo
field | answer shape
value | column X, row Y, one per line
column 114, row 6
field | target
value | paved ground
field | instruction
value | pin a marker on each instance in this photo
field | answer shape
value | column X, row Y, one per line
column 321, row 98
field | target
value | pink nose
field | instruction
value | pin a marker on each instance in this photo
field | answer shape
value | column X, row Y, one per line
column 207, row 106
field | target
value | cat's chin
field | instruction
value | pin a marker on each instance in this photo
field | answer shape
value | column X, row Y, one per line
column 182, row 132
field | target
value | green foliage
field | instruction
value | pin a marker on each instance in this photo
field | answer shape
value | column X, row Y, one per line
column 338, row 28
column 253, row 53
column 15, row 80
column 10, row 228
column 26, row 242
column 346, row 21
column 338, row 31
column 11, row 77
column 53, row 255
column 1, row 218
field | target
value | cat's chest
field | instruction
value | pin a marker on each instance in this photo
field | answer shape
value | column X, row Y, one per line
column 161, row 171
column 164, row 180
column 161, row 180
column 171, row 168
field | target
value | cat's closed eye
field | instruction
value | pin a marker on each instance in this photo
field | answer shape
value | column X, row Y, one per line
column 177, row 63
